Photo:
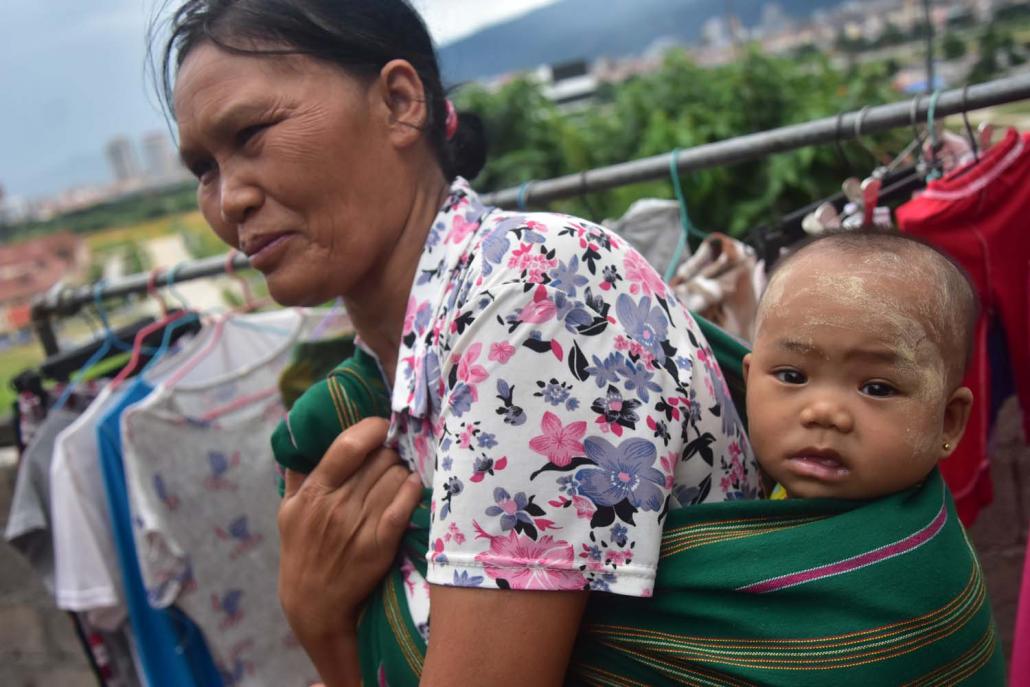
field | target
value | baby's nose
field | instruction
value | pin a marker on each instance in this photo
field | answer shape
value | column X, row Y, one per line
column 827, row 413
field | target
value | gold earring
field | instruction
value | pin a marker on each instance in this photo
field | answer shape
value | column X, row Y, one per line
column 947, row 446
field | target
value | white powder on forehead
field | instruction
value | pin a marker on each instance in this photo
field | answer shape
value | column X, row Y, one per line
column 901, row 298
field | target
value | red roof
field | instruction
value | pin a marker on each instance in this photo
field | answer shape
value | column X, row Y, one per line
column 31, row 267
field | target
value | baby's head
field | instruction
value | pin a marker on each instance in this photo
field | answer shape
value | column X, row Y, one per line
column 854, row 384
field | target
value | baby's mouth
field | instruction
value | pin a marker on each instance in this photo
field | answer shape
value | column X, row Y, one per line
column 821, row 464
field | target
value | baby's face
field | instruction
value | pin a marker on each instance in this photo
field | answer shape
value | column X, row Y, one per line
column 846, row 388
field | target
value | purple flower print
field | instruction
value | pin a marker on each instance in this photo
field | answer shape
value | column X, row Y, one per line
column 638, row 379
column 623, row 472
column 567, row 277
column 646, row 325
column 512, row 509
column 605, row 371
column 463, row 579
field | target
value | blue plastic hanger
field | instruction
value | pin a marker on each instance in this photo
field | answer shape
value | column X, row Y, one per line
column 108, row 343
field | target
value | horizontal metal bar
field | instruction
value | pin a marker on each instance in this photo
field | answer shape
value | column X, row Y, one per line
column 68, row 300
column 743, row 148
column 756, row 146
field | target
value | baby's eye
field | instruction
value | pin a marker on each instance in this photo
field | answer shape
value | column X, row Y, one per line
column 790, row 376
column 878, row 389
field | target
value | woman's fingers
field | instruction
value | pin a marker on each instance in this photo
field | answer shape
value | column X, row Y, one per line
column 397, row 514
column 347, row 454
column 293, row 481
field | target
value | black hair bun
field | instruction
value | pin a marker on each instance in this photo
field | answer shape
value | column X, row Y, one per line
column 467, row 149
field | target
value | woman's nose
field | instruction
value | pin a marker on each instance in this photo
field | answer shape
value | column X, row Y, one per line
column 827, row 413
column 238, row 199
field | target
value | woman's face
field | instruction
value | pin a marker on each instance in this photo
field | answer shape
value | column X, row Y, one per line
column 295, row 168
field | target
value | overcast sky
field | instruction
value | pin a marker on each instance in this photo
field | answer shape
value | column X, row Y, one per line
column 71, row 78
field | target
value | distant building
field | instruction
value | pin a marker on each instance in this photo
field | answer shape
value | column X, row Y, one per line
column 569, row 85
column 32, row 267
column 162, row 161
column 122, row 157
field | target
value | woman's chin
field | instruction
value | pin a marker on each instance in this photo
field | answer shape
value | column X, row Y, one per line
column 295, row 292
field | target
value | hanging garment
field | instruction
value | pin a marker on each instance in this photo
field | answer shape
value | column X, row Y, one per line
column 978, row 215
column 86, row 575
column 722, row 283
column 28, row 524
column 112, row 653
column 171, row 648
column 653, row 227
column 200, row 472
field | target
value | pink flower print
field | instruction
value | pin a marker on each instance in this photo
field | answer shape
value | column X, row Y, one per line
column 468, row 371
column 540, row 310
column 409, row 316
column 501, row 352
column 642, row 276
column 465, row 438
column 585, row 508
column 559, row 443
column 454, row 533
column 460, row 229
column 519, row 562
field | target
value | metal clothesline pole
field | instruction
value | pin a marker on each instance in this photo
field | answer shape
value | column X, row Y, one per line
column 66, row 301
column 763, row 144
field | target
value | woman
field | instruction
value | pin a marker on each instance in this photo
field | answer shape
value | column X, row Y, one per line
column 547, row 386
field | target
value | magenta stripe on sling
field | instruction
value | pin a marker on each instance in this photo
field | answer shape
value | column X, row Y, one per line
column 898, row 548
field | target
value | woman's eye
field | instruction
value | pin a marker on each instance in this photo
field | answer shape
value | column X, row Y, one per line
column 202, row 170
column 790, row 376
column 247, row 133
column 878, row 389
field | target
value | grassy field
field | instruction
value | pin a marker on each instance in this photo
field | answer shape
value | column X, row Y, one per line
column 12, row 362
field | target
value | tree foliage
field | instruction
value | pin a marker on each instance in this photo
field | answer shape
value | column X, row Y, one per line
column 679, row 106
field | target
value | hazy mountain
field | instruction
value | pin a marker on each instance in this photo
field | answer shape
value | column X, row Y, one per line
column 587, row 29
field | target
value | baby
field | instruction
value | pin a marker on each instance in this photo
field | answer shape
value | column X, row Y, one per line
column 854, row 383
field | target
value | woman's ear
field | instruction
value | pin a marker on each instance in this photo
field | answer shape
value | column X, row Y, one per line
column 956, row 415
column 404, row 99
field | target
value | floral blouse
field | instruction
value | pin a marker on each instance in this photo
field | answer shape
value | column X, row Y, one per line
column 559, row 400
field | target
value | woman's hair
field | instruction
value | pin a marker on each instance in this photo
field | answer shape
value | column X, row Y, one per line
column 361, row 36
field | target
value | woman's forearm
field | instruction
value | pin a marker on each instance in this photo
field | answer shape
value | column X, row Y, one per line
column 336, row 659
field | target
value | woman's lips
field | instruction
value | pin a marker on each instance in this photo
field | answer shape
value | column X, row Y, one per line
column 825, row 466
column 264, row 250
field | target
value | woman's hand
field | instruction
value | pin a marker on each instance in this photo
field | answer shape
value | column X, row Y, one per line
column 340, row 529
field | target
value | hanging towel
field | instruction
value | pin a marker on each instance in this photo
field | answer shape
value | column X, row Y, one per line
column 722, row 282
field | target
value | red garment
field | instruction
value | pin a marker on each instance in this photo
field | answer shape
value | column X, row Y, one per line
column 979, row 216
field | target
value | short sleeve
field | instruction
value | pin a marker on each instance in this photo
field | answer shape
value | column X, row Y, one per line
column 554, row 466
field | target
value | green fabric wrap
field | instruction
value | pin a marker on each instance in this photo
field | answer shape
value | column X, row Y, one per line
column 310, row 363
column 792, row 593
column 353, row 390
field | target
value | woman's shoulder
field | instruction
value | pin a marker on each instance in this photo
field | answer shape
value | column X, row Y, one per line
column 562, row 252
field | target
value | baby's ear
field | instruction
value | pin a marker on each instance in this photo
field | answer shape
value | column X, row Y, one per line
column 747, row 367
column 956, row 415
